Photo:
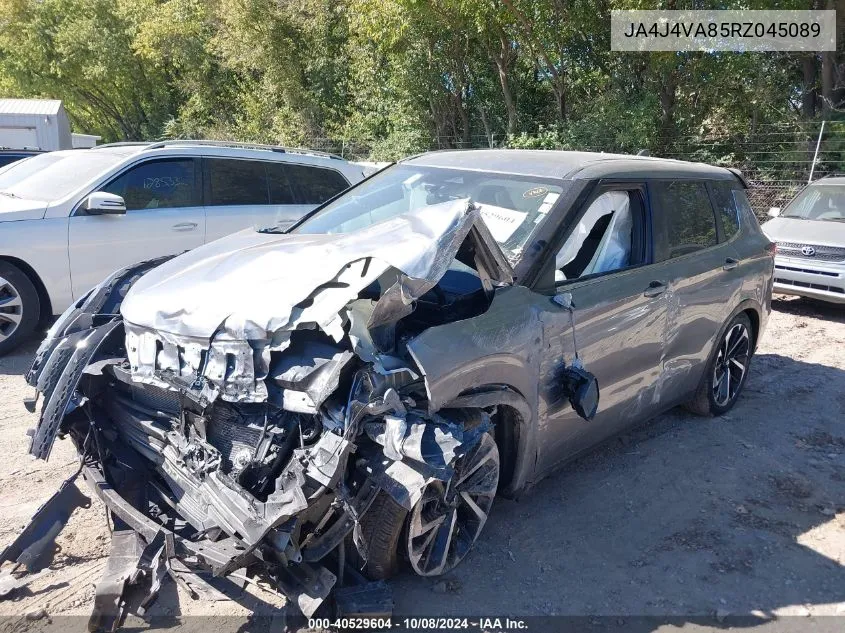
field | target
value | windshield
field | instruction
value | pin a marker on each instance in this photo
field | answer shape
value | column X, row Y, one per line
column 818, row 202
column 512, row 206
column 53, row 176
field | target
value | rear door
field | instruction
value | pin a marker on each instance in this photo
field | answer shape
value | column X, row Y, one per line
column 312, row 186
column 237, row 195
column 243, row 193
column 695, row 243
column 164, row 216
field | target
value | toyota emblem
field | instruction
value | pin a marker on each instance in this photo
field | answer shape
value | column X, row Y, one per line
column 808, row 251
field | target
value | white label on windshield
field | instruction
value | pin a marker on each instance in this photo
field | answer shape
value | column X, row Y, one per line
column 501, row 222
column 548, row 202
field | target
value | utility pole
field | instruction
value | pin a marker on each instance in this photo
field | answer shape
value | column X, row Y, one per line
column 816, row 154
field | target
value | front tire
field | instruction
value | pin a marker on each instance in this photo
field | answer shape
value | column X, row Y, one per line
column 446, row 522
column 727, row 369
column 441, row 528
column 20, row 307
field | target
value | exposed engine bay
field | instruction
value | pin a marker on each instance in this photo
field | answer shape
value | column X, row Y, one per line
column 236, row 411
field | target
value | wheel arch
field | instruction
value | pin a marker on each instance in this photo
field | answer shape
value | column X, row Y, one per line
column 753, row 313
column 46, row 306
column 515, row 432
column 752, row 310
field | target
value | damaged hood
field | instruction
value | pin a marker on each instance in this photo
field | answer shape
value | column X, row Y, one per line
column 249, row 285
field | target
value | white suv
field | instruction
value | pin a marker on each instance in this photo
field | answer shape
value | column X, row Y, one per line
column 68, row 219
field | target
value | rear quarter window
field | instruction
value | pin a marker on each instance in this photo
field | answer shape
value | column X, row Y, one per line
column 687, row 222
column 315, row 185
column 726, row 208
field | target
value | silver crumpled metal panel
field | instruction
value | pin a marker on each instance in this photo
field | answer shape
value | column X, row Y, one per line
column 241, row 297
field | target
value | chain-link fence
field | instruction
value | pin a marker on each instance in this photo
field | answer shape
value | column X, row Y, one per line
column 776, row 159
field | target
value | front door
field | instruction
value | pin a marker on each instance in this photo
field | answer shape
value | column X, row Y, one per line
column 164, row 216
column 619, row 312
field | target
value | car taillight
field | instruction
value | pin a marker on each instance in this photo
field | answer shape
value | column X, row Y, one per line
column 772, row 248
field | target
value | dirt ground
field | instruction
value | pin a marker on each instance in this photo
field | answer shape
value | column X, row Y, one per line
column 686, row 516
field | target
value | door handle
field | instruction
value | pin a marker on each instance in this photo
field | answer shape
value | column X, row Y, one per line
column 185, row 226
column 730, row 263
column 655, row 288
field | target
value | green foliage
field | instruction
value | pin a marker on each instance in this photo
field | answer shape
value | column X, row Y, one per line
column 393, row 77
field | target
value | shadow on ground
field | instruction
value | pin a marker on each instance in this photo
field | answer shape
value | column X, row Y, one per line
column 804, row 307
column 18, row 361
column 685, row 516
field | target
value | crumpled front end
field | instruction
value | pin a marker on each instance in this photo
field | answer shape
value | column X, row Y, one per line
column 242, row 405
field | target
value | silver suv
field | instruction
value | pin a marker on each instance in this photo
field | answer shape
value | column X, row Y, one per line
column 359, row 388
column 810, row 234
column 70, row 218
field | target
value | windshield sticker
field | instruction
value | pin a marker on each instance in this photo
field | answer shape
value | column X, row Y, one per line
column 501, row 222
column 535, row 192
column 548, row 202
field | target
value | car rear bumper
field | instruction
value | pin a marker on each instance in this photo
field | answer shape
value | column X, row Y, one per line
column 825, row 281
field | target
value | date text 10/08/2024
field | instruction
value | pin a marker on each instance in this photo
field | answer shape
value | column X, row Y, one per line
column 490, row 625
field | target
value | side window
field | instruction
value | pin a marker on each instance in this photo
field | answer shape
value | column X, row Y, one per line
column 726, row 208
column 688, row 222
column 281, row 191
column 157, row 184
column 744, row 206
column 605, row 238
column 316, row 185
column 236, row 182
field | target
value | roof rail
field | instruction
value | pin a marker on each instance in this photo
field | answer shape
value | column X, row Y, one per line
column 122, row 144
column 239, row 144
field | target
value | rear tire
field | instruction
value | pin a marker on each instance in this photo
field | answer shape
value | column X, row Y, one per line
column 20, row 307
column 727, row 369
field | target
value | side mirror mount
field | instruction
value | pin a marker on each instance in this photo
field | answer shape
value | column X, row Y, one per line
column 564, row 300
column 582, row 387
column 104, row 203
column 774, row 212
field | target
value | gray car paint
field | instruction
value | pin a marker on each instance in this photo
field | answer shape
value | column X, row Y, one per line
column 647, row 347
column 648, row 354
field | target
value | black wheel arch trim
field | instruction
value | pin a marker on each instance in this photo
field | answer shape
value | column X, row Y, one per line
column 747, row 305
column 525, row 449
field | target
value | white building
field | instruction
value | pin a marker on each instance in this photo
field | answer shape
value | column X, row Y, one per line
column 81, row 141
column 34, row 124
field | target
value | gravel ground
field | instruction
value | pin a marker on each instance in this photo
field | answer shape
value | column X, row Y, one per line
column 685, row 516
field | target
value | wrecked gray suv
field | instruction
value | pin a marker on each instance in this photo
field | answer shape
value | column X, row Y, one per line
column 354, row 392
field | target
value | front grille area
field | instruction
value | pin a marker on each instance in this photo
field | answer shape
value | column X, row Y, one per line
column 233, row 434
column 803, row 284
column 807, row 270
column 822, row 253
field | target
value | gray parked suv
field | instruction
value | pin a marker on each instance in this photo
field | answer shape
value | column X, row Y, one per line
column 357, row 389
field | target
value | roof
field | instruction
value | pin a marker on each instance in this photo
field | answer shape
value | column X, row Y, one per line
column 30, row 106
column 566, row 165
column 829, row 180
column 236, row 149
